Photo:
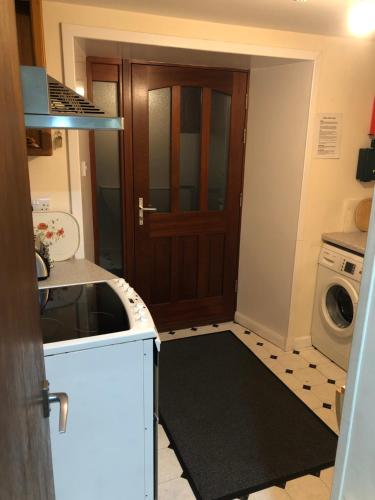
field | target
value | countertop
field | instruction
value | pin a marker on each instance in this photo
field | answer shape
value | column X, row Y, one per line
column 74, row 272
column 356, row 241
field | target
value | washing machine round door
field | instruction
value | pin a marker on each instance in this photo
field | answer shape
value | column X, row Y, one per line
column 339, row 306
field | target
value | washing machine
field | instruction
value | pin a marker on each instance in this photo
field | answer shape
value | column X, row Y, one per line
column 336, row 300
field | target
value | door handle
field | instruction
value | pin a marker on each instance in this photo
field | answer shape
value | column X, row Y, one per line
column 142, row 209
column 55, row 397
column 340, row 393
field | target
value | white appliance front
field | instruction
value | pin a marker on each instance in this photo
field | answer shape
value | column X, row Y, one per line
column 335, row 304
column 109, row 445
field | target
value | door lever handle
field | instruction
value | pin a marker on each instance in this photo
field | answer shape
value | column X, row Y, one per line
column 142, row 209
column 340, row 393
column 148, row 209
column 62, row 398
column 55, row 397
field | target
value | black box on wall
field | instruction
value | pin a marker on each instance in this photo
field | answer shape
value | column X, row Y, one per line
column 366, row 165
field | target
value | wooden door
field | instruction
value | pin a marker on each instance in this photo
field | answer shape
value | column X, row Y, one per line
column 25, row 457
column 188, row 130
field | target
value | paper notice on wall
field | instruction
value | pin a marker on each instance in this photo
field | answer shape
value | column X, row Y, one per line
column 328, row 135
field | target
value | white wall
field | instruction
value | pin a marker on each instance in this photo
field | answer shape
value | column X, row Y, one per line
column 278, row 113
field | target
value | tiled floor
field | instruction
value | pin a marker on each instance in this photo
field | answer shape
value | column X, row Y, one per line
column 309, row 374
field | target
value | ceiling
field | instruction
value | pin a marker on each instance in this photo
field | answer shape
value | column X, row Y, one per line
column 327, row 17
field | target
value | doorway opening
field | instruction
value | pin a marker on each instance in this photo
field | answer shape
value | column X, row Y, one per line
column 185, row 251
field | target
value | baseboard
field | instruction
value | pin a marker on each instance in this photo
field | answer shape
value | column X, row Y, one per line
column 261, row 330
column 302, row 342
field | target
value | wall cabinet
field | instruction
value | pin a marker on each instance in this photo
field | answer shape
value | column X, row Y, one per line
column 31, row 53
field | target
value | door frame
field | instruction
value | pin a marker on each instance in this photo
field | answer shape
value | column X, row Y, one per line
column 126, row 151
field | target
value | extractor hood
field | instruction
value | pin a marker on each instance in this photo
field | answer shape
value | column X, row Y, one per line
column 50, row 104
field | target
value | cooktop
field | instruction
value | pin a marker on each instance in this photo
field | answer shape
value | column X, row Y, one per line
column 72, row 312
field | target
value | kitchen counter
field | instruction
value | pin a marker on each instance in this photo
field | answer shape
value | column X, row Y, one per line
column 73, row 272
column 356, row 241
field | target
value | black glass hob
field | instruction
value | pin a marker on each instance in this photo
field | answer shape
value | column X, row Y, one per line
column 72, row 312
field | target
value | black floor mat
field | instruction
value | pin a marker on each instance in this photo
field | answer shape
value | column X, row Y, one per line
column 235, row 426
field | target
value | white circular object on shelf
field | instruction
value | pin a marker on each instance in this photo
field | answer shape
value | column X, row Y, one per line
column 59, row 231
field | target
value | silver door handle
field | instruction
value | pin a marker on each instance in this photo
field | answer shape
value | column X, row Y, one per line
column 62, row 399
column 142, row 209
column 340, row 393
column 55, row 397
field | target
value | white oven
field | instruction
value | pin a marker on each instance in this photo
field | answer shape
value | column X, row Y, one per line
column 100, row 348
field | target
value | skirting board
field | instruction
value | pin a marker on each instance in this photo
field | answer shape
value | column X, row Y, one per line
column 271, row 335
column 301, row 342
column 261, row 330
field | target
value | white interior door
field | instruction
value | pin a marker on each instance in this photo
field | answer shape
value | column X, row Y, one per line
column 355, row 462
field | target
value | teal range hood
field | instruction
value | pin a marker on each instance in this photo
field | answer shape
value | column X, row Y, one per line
column 50, row 104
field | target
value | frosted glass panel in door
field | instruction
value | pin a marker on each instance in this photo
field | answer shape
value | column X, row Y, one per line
column 159, row 116
column 219, row 150
column 108, row 182
column 190, row 147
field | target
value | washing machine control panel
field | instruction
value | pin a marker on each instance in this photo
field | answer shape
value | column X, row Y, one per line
column 342, row 262
column 349, row 267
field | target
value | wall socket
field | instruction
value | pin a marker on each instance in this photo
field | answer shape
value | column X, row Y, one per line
column 40, row 204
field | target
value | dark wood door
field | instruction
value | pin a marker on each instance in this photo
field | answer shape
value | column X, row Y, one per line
column 188, row 130
column 25, row 457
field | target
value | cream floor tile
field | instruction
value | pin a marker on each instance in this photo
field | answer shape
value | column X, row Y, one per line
column 309, row 376
column 329, row 417
column 325, row 392
column 259, row 350
column 273, row 365
column 308, row 398
column 254, row 339
column 326, row 476
column 332, row 371
column 168, row 466
column 270, row 494
column 292, row 361
column 163, row 441
column 314, row 356
column 176, row 489
column 290, row 380
column 307, row 488
column 273, row 349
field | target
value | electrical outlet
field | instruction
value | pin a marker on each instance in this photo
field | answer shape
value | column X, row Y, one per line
column 40, row 204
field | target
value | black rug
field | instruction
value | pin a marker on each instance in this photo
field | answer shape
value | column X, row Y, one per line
column 236, row 428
